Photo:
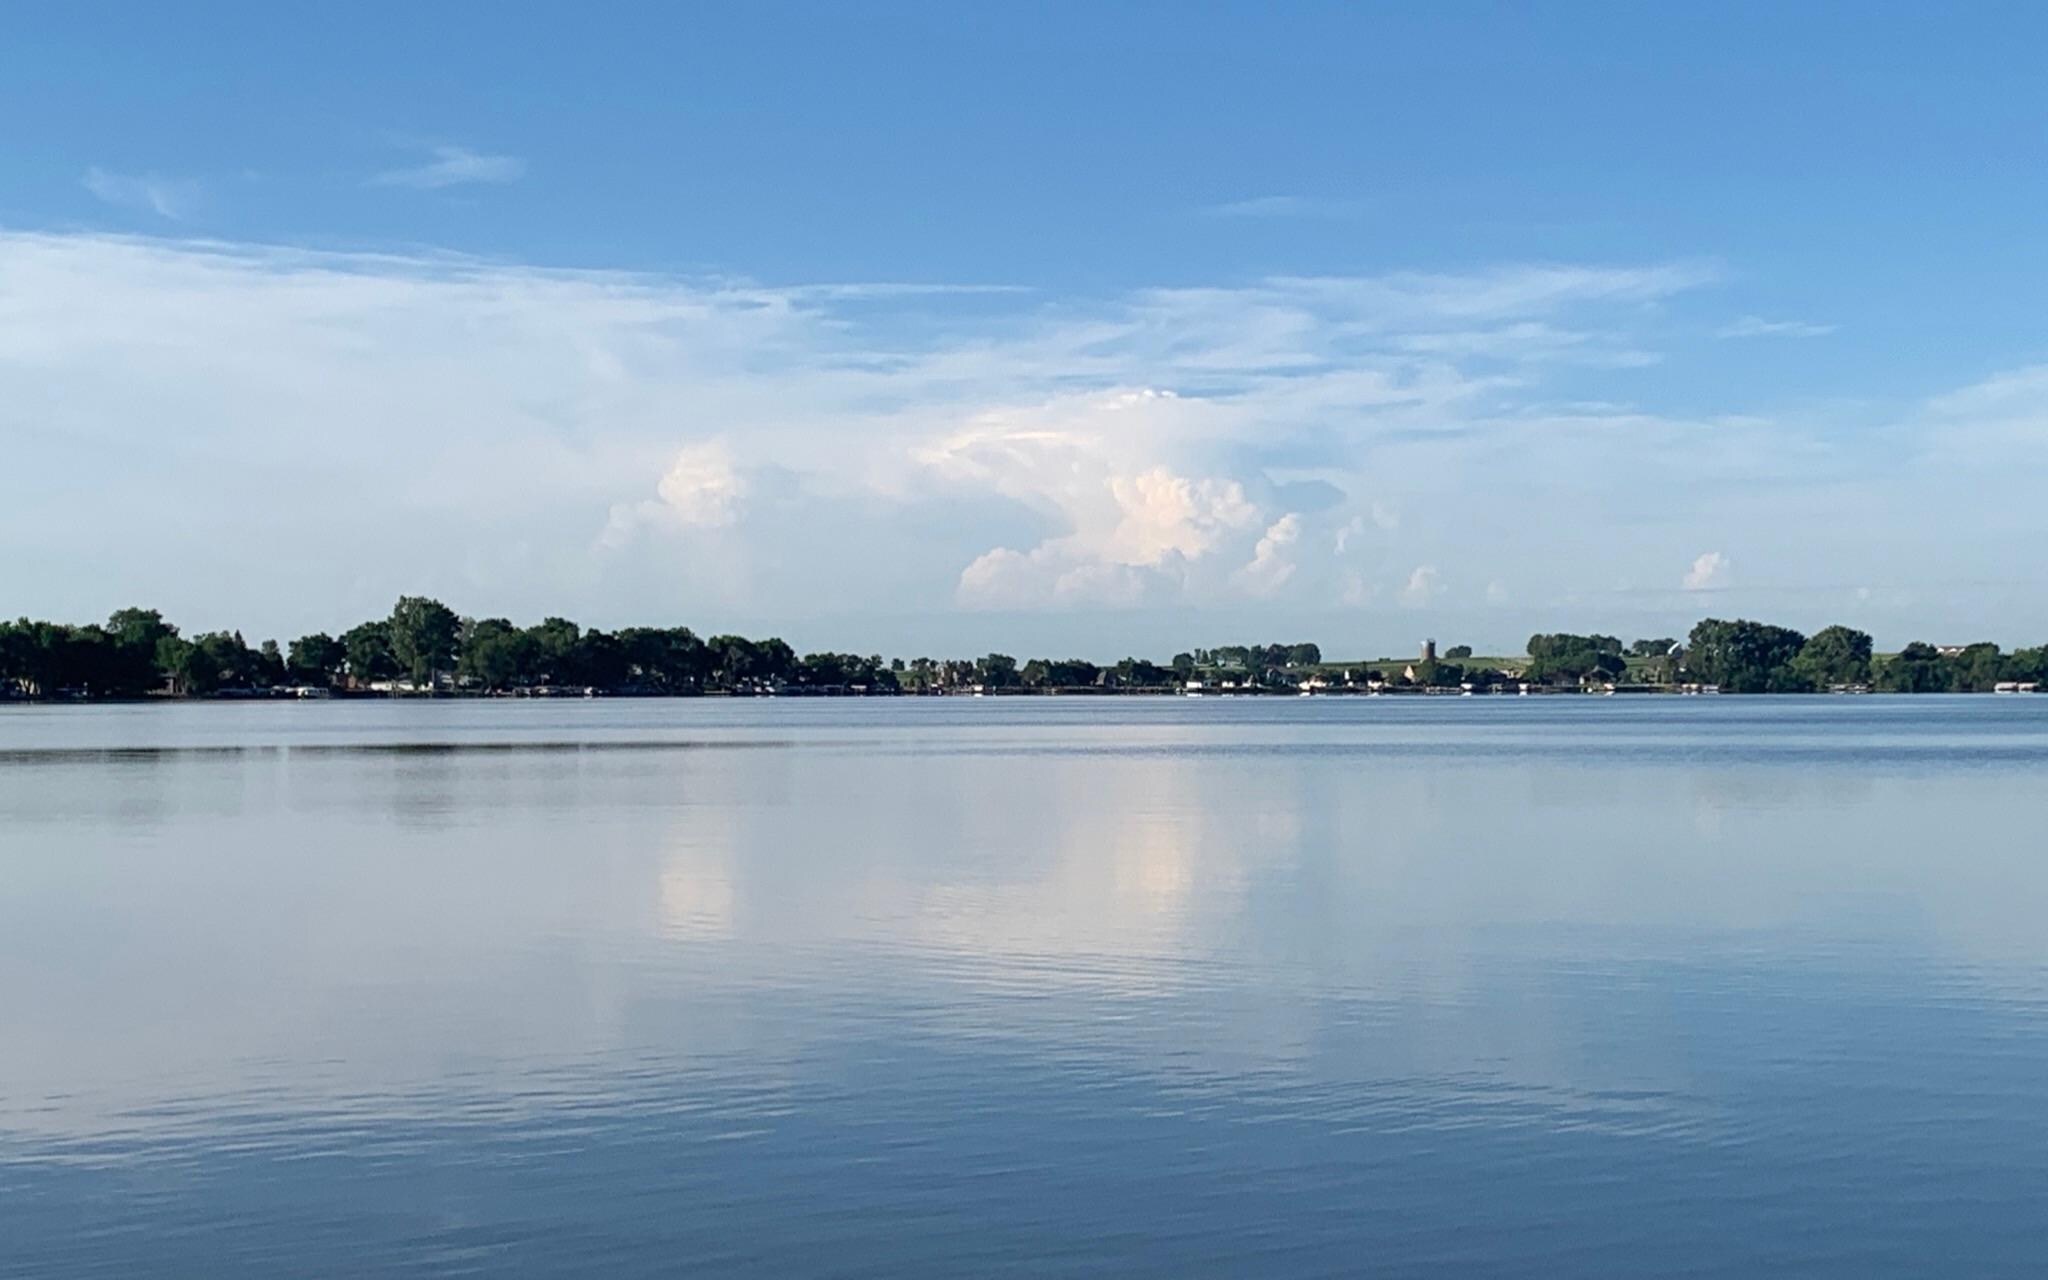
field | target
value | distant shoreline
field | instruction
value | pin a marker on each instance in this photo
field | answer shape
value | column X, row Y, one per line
column 425, row 649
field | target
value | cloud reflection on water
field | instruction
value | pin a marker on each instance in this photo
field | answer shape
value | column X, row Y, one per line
column 1345, row 926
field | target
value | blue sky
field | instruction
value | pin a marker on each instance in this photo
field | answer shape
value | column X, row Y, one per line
column 1084, row 328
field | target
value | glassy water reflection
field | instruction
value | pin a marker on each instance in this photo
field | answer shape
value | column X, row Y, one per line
column 1059, row 987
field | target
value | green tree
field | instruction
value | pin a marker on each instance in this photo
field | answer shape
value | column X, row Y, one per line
column 270, row 665
column 733, row 660
column 135, row 636
column 17, row 649
column 1917, row 668
column 739, row 664
column 669, row 659
column 1834, row 656
column 1458, row 652
column 554, row 642
column 495, row 654
column 1076, row 673
column 192, row 670
column 48, row 657
column 423, row 635
column 1138, row 673
column 1550, row 644
column 317, row 660
column 240, row 666
column 1746, row 657
column 368, row 653
column 214, row 661
column 1565, row 658
column 830, row 670
column 1977, row 669
column 1070, row 673
column 2028, row 665
column 776, row 660
column 85, row 660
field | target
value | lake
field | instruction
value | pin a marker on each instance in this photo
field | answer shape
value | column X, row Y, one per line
column 1036, row 987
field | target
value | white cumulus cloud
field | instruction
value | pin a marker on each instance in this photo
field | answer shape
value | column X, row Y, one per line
column 701, row 489
column 523, row 440
column 1114, row 476
column 1272, row 562
column 1424, row 585
column 1709, row 571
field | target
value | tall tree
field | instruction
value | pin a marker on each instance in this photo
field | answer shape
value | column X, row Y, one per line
column 135, row 635
column 270, row 665
column 423, row 635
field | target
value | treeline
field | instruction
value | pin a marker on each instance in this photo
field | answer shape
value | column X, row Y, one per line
column 425, row 646
column 1741, row 656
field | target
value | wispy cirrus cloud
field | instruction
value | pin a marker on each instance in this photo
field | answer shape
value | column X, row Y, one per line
column 1287, row 207
column 173, row 198
column 1758, row 327
column 452, row 166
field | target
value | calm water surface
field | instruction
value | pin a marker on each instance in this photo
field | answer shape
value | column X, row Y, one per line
column 1515, row 987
